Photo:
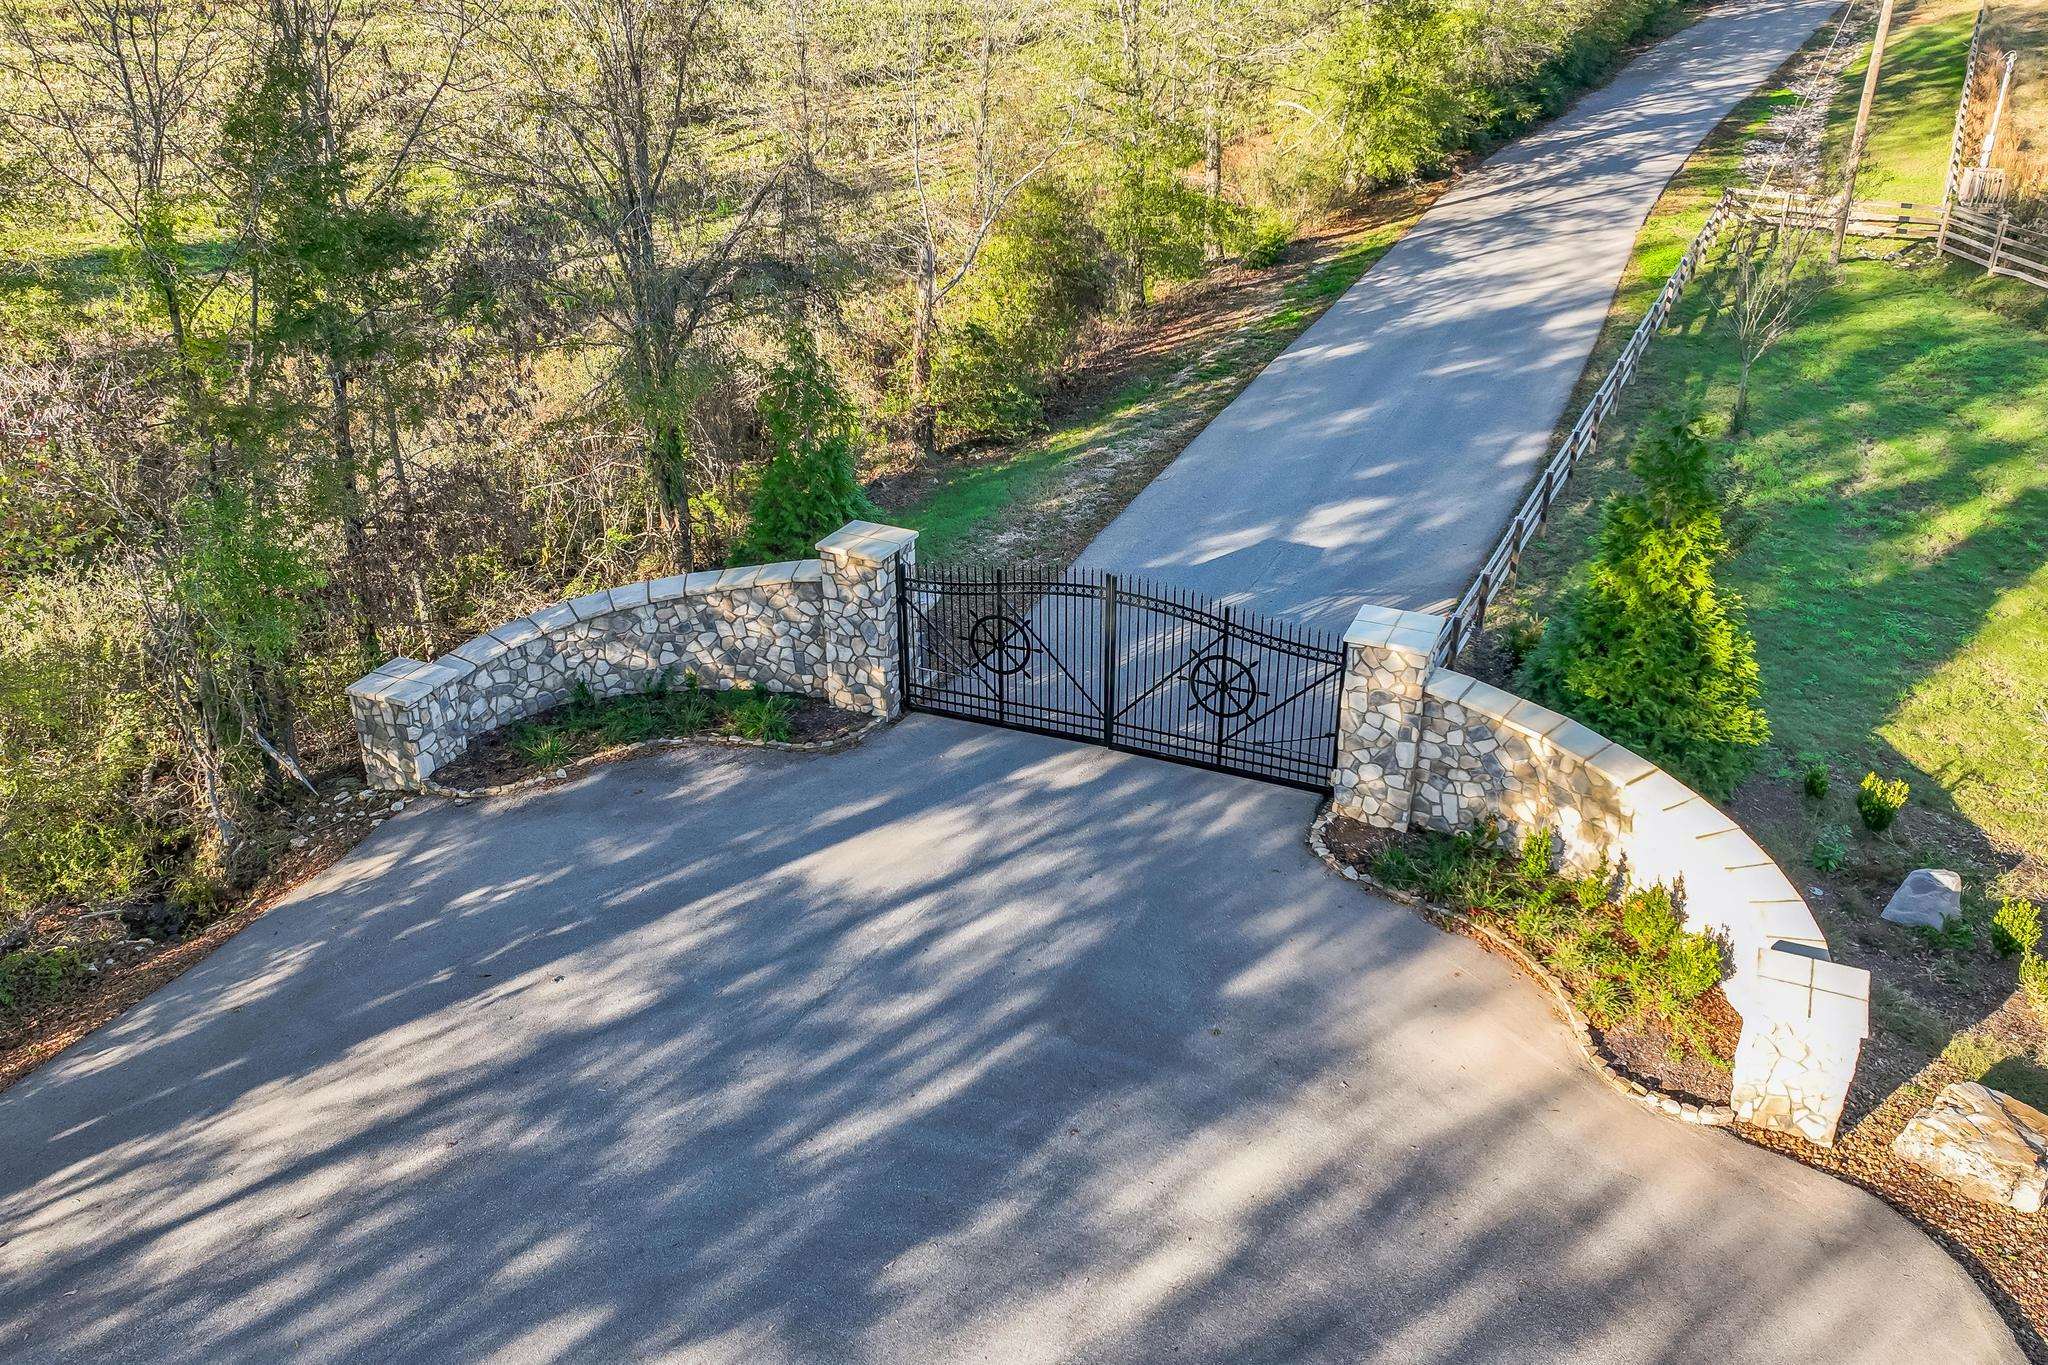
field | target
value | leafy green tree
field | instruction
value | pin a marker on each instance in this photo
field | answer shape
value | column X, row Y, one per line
column 1647, row 649
column 329, row 249
column 1393, row 92
column 1042, row 275
column 808, row 489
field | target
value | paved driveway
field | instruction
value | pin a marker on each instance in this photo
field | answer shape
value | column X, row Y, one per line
column 966, row 1045
column 1380, row 456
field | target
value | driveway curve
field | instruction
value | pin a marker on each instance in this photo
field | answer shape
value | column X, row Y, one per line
column 963, row 1045
column 1380, row 456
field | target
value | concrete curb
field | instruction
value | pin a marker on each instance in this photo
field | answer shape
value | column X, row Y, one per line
column 1699, row 1115
column 645, row 746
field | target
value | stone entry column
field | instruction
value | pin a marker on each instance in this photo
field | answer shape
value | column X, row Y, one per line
column 1379, row 716
column 406, row 722
column 862, row 561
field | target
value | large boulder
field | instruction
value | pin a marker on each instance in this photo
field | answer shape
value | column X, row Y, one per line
column 1929, row 897
column 1984, row 1142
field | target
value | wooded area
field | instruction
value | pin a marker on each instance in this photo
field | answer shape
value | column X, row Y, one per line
column 331, row 330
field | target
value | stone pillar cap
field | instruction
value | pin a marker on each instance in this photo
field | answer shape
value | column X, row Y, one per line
column 867, row 542
column 1415, row 632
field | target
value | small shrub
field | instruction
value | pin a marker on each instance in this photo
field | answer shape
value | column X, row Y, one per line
column 763, row 716
column 1601, row 1002
column 2034, row 981
column 1648, row 917
column 1535, row 856
column 1693, row 965
column 1830, row 850
column 200, row 896
column 32, row 975
column 1519, row 640
column 1266, row 241
column 1814, row 777
column 1973, row 1054
column 542, row 747
column 1879, row 801
column 2016, row 928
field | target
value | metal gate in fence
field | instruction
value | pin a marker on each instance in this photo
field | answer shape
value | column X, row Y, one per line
column 1134, row 666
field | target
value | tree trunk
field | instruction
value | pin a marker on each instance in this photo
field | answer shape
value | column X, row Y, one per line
column 924, row 421
column 354, row 536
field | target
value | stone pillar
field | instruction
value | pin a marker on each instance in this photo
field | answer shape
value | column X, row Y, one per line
column 1804, row 1020
column 407, row 725
column 1379, row 717
column 862, row 664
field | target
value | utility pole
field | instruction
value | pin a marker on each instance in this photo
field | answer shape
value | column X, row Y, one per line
column 1884, row 29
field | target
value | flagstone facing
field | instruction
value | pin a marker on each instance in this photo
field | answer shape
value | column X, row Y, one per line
column 821, row 627
column 1421, row 746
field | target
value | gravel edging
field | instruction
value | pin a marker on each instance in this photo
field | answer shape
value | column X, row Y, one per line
column 1699, row 1115
column 429, row 787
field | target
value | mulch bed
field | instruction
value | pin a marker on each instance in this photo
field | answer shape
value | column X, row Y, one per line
column 1644, row 1050
column 493, row 760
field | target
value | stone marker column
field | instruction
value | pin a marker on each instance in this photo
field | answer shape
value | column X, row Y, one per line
column 406, row 724
column 862, row 562
column 1379, row 716
column 1804, row 1020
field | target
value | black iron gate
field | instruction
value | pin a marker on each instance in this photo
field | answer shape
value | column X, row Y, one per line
column 1134, row 666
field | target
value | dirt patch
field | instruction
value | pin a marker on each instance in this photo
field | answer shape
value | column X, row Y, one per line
column 498, row 758
column 1645, row 1052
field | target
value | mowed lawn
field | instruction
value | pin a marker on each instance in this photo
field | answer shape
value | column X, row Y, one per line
column 1891, row 492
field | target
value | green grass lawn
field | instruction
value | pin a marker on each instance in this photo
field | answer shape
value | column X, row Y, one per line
column 1892, row 504
column 1905, row 155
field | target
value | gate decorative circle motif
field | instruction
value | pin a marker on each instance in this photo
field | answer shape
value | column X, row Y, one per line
column 999, row 643
column 1223, row 686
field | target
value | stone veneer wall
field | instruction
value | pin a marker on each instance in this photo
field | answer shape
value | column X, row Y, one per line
column 1480, row 753
column 823, row 627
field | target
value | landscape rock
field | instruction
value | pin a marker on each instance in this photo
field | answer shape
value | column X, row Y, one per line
column 1984, row 1142
column 1929, row 897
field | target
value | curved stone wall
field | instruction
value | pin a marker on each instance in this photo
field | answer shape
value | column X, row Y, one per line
column 1469, row 751
column 824, row 627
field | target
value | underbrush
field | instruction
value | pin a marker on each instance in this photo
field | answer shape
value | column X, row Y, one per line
column 34, row 975
column 664, row 711
column 1622, row 952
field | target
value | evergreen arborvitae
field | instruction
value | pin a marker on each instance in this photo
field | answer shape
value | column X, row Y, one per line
column 808, row 489
column 1646, row 649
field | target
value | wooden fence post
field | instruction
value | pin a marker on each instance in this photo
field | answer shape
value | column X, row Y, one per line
column 1949, row 183
column 1998, row 242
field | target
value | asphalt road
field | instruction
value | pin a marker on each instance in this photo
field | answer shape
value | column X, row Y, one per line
column 1379, row 458
column 963, row 1046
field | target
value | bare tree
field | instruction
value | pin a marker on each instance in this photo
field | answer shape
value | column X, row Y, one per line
column 629, row 132
column 1777, row 268
column 110, row 98
column 969, row 147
